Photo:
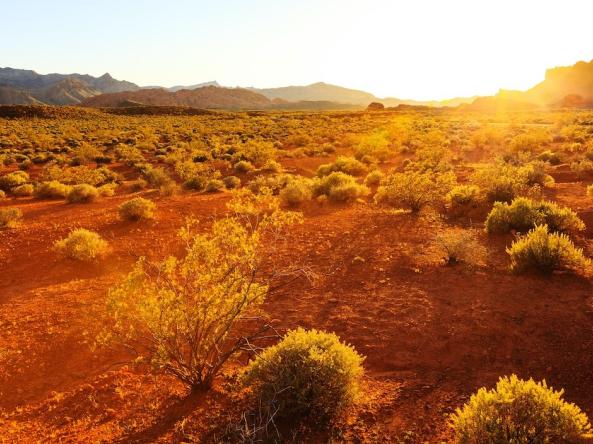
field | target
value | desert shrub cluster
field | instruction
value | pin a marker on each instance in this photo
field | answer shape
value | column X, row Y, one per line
column 522, row 214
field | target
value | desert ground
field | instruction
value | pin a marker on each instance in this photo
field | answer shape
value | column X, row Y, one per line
column 432, row 332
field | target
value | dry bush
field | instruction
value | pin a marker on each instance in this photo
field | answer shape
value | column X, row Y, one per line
column 414, row 190
column 12, row 180
column 347, row 165
column 544, row 251
column 107, row 190
column 339, row 187
column 271, row 166
column 52, row 190
column 2, row 195
column 463, row 197
column 243, row 167
column 231, row 182
column 309, row 374
column 521, row 412
column 522, row 214
column 82, row 193
column 157, row 177
column 137, row 209
column 214, row 185
column 23, row 190
column 455, row 246
column 10, row 217
column 296, row 192
column 373, row 178
column 82, row 245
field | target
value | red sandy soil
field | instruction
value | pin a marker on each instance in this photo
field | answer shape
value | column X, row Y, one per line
column 431, row 334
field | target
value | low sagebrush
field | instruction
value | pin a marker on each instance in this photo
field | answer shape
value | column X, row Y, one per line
column 309, row 374
column 82, row 245
column 137, row 209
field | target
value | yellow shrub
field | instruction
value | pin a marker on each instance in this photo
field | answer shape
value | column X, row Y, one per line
column 10, row 217
column 52, row 190
column 82, row 193
column 82, row 245
column 308, row 374
column 544, row 251
column 519, row 412
column 137, row 209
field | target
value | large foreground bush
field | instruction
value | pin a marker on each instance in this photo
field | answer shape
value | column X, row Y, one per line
column 308, row 374
column 82, row 245
column 519, row 412
column 544, row 251
column 179, row 315
column 523, row 214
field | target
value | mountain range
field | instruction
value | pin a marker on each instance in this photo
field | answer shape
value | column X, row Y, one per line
column 563, row 86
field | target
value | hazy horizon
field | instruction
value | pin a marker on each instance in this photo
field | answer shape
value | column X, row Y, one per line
column 427, row 50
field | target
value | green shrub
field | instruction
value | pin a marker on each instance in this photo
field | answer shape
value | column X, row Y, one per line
column 13, row 179
column 271, row 166
column 137, row 209
column 296, row 192
column 243, row 167
column 550, row 157
column 503, row 182
column 463, row 196
column 373, row 178
column 82, row 245
column 52, row 190
column 10, row 217
column 82, row 193
column 544, row 251
column 339, row 187
column 197, row 183
column 414, row 189
column 309, row 374
column 107, row 190
column 137, row 185
column 520, row 412
column 214, row 185
column 157, row 177
column 347, row 165
column 523, row 214
column 23, row 190
column 231, row 182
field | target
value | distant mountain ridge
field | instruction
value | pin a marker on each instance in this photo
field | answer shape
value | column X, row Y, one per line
column 23, row 86
column 211, row 97
column 567, row 86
